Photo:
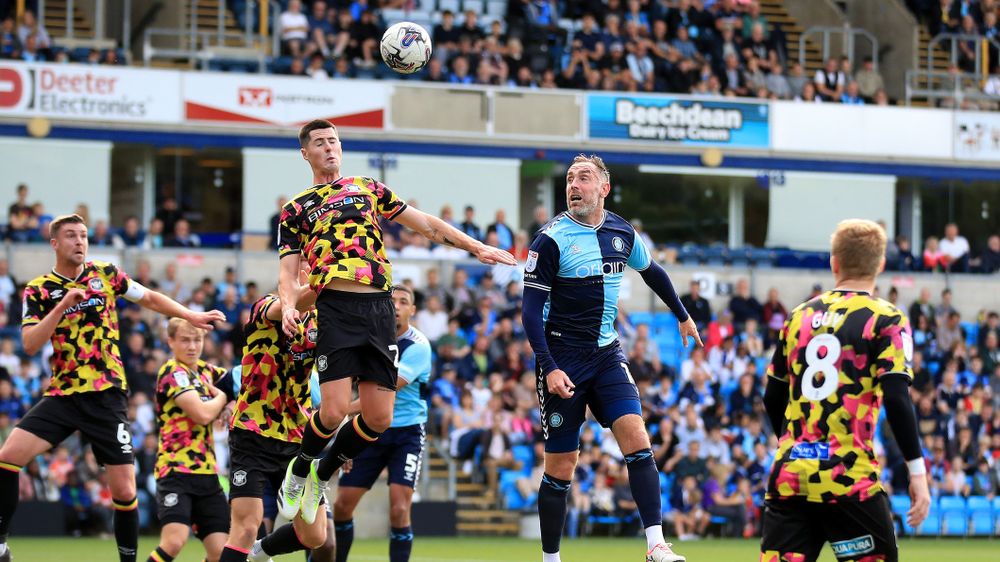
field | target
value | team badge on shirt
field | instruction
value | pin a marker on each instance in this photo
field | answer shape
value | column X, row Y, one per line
column 532, row 261
column 618, row 244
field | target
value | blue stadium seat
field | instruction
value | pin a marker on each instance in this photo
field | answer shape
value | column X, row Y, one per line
column 689, row 255
column 955, row 520
column 762, row 257
column 665, row 321
column 641, row 318
column 932, row 525
column 971, row 330
column 740, row 257
column 788, row 260
column 981, row 516
column 716, row 255
column 526, row 455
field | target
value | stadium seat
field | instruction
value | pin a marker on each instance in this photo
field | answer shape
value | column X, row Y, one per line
column 665, row 320
column 971, row 330
column 641, row 318
column 716, row 256
column 496, row 8
column 453, row 5
column 478, row 6
column 981, row 516
column 932, row 525
column 762, row 258
column 955, row 521
column 526, row 455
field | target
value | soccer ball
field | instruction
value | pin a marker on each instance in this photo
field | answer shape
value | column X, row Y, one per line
column 406, row 47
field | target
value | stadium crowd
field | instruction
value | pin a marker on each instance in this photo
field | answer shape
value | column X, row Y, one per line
column 700, row 47
column 703, row 407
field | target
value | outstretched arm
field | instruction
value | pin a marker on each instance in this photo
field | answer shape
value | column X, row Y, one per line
column 158, row 302
column 438, row 231
column 288, row 292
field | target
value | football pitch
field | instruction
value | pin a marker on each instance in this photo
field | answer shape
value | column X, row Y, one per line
column 509, row 550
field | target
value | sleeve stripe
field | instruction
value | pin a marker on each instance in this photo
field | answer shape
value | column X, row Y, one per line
column 537, row 286
column 397, row 211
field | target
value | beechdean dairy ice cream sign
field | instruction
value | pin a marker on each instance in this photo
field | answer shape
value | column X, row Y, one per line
column 678, row 121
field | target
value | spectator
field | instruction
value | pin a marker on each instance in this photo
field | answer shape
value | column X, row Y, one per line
column 10, row 43
column 954, row 249
column 321, row 34
column 689, row 518
column 153, row 240
column 365, row 35
column 31, row 26
column 460, row 71
column 778, row 84
column 8, row 288
column 984, row 480
column 797, row 79
column 169, row 214
column 316, row 69
column 505, row 236
column 743, row 305
column 990, row 260
column 950, row 332
column 641, row 66
column 182, row 237
column 719, row 503
column 100, row 236
column 942, row 310
column 923, row 307
column 934, row 258
column 697, row 306
column 130, row 236
column 433, row 320
column 830, row 81
column 21, row 219
column 851, row 95
column 869, row 80
column 294, row 29
column 691, row 464
column 732, row 76
column 77, row 505
column 445, row 36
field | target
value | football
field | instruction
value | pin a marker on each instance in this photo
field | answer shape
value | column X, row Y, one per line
column 406, row 47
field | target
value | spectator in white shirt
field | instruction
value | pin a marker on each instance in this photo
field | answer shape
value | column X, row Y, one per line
column 777, row 83
column 830, row 81
column 715, row 446
column 7, row 286
column 294, row 29
column 433, row 320
column 641, row 66
column 955, row 249
column 691, row 428
column 316, row 69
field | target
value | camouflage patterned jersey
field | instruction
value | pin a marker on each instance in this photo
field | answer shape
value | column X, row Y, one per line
column 85, row 354
column 335, row 226
column 274, row 398
column 186, row 447
column 832, row 351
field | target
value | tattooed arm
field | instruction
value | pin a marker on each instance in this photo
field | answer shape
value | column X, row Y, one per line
column 440, row 232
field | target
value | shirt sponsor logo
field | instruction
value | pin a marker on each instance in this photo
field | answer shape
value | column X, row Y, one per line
column 810, row 451
column 852, row 548
column 595, row 269
column 89, row 303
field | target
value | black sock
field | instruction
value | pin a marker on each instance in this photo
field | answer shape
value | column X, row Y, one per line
column 233, row 554
column 552, row 511
column 126, row 528
column 355, row 437
column 282, row 541
column 314, row 439
column 344, row 533
column 400, row 544
column 9, row 474
column 645, row 484
column 159, row 555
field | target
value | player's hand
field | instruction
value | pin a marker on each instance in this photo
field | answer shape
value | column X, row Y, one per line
column 559, row 383
column 688, row 328
column 492, row 256
column 204, row 320
column 347, row 466
column 72, row 298
column 920, row 500
column 290, row 320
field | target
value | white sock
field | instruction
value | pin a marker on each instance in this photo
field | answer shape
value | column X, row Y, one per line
column 654, row 536
column 546, row 557
column 257, row 548
column 3, row 548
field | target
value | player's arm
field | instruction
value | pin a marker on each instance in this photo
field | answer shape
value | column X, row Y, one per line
column 289, row 259
column 202, row 413
column 539, row 275
column 437, row 230
column 158, row 302
column 894, row 349
column 306, row 299
column 37, row 329
column 656, row 278
column 776, row 393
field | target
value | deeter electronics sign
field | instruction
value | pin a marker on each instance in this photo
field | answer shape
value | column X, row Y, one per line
column 283, row 101
column 97, row 93
column 670, row 120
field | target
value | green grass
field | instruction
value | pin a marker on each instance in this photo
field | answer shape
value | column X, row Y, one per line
column 508, row 550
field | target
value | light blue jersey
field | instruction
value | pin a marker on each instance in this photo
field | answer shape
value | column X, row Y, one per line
column 415, row 369
column 581, row 267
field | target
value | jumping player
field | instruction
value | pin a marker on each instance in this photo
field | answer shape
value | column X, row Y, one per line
column 401, row 447
column 187, row 484
column 74, row 307
column 271, row 410
column 335, row 226
column 571, row 282
column 840, row 356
